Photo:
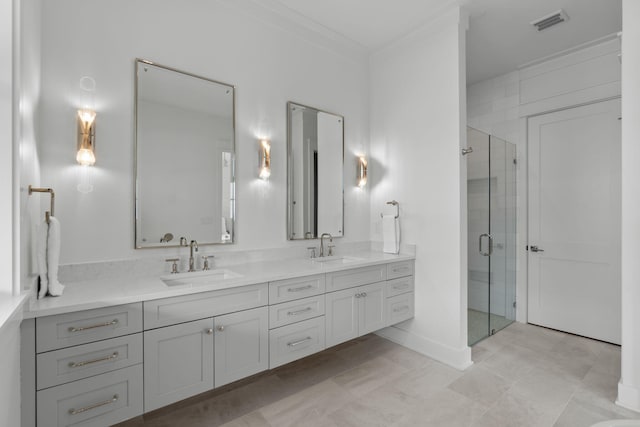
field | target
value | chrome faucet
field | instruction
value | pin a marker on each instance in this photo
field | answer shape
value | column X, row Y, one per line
column 193, row 245
column 322, row 242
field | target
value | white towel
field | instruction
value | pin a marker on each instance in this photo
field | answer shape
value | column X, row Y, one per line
column 48, row 254
column 390, row 234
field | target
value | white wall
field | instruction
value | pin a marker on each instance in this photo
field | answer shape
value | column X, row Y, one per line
column 629, row 386
column 418, row 127
column 267, row 61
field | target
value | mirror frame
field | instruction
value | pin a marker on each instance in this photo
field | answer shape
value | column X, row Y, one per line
column 137, row 62
column 289, row 225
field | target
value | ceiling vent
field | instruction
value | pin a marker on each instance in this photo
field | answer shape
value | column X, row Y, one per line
column 550, row 20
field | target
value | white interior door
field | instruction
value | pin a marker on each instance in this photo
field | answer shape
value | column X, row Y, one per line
column 574, row 220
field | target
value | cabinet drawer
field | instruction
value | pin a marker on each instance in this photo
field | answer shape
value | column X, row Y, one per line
column 400, row 286
column 65, row 330
column 295, row 311
column 292, row 289
column 400, row 308
column 296, row 341
column 355, row 277
column 400, row 269
column 75, row 363
column 171, row 311
column 98, row 401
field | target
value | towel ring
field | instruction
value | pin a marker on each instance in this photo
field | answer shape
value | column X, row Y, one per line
column 397, row 205
column 48, row 214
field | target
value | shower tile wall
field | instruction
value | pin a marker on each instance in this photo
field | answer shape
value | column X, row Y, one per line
column 493, row 107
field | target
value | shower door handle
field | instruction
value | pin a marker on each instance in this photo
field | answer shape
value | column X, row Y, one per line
column 490, row 244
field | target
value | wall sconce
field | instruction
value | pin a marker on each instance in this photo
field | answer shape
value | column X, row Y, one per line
column 86, row 137
column 361, row 171
column 264, row 159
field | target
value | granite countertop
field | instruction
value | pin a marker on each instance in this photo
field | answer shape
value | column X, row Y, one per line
column 105, row 292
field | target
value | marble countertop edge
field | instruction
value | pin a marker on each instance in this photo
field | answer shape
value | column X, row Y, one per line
column 106, row 292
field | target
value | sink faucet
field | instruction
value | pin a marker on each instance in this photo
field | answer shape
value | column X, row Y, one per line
column 193, row 245
column 322, row 242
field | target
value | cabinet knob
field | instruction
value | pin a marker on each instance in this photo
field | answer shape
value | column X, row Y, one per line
column 210, row 331
column 358, row 295
column 220, row 328
column 364, row 294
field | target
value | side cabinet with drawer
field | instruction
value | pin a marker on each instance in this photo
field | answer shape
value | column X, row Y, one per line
column 89, row 367
column 400, row 292
column 296, row 318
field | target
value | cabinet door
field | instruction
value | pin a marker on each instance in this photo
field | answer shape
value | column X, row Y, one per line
column 371, row 307
column 178, row 362
column 341, row 316
column 241, row 344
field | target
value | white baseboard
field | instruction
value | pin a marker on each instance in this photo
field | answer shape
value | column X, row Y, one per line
column 628, row 397
column 456, row 358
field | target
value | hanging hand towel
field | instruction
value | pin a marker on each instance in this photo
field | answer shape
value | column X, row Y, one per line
column 53, row 257
column 41, row 256
column 48, row 257
column 390, row 234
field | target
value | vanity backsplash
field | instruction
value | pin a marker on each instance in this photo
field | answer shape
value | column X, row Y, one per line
column 156, row 265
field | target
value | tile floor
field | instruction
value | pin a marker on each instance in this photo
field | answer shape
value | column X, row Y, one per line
column 478, row 325
column 522, row 376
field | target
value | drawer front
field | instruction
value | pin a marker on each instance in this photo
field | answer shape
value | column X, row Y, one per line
column 400, row 308
column 296, row 341
column 295, row 311
column 400, row 269
column 75, row 363
column 292, row 289
column 400, row 286
column 171, row 311
column 98, row 401
column 65, row 330
column 355, row 277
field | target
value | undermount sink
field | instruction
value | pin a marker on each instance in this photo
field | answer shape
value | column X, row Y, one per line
column 200, row 278
column 336, row 260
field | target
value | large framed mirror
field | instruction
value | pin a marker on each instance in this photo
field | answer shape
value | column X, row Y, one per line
column 184, row 158
column 315, row 150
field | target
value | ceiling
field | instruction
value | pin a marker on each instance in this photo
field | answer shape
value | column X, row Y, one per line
column 500, row 37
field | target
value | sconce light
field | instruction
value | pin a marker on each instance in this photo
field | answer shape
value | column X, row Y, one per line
column 361, row 171
column 264, row 159
column 86, row 137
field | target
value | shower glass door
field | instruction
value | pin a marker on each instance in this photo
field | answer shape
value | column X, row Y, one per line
column 491, row 205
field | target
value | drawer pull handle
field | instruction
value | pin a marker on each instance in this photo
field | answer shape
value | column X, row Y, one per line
column 400, row 287
column 297, row 312
column 114, row 399
column 401, row 309
column 113, row 356
column 301, row 288
column 295, row 343
column 101, row 325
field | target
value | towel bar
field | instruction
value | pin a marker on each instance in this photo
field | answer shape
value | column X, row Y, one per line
column 397, row 205
column 48, row 214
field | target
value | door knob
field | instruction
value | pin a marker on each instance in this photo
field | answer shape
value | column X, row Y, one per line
column 536, row 249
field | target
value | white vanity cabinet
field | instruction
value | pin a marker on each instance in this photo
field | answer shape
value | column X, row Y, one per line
column 103, row 366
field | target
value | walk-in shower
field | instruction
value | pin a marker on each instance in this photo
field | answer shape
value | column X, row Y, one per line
column 491, row 213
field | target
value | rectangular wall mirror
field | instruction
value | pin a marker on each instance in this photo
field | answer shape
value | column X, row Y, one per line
column 315, row 148
column 185, row 154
